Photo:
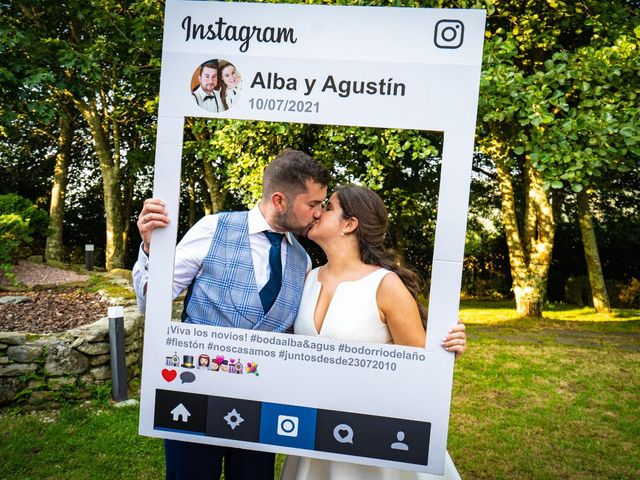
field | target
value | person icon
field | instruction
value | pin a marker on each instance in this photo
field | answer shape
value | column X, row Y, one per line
column 400, row 445
column 230, row 83
column 207, row 91
column 224, row 366
column 203, row 362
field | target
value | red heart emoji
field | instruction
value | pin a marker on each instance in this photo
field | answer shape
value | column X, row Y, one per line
column 169, row 375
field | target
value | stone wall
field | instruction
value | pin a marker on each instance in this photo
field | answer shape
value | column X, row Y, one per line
column 53, row 367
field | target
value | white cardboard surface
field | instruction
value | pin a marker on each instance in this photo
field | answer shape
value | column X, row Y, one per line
column 423, row 67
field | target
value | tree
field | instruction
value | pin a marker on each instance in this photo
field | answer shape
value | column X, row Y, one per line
column 504, row 101
column 590, row 138
column 29, row 111
column 209, row 162
column 54, row 246
column 109, row 79
column 526, row 100
column 102, row 58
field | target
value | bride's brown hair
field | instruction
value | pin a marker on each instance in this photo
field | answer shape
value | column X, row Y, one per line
column 368, row 208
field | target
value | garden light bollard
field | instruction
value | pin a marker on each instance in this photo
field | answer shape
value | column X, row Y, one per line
column 88, row 256
column 118, row 365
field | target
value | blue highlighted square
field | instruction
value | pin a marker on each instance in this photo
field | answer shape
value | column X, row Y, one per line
column 288, row 425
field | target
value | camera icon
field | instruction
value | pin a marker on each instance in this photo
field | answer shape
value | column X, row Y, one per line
column 287, row 426
column 449, row 34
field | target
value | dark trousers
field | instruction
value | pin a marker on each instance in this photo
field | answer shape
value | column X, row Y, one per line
column 196, row 461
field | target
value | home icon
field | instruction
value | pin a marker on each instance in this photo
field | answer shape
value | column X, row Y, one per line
column 180, row 413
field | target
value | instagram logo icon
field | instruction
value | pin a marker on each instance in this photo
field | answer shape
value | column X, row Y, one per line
column 287, row 426
column 448, row 34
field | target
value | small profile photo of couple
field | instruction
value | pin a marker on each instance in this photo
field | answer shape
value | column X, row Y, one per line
column 215, row 85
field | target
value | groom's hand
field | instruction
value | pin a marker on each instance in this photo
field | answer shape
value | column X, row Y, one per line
column 153, row 215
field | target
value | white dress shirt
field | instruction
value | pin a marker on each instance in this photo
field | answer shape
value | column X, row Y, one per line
column 232, row 94
column 194, row 246
column 211, row 102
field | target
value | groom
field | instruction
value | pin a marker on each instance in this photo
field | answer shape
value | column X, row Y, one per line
column 243, row 270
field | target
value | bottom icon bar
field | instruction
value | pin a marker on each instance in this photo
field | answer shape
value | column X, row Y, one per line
column 355, row 434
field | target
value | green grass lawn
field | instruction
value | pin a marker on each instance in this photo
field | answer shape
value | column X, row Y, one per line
column 497, row 312
column 557, row 398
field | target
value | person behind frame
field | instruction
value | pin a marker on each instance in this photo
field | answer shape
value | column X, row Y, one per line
column 361, row 294
column 294, row 188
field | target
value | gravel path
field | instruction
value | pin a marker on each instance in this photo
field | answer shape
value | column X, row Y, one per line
column 30, row 274
column 49, row 310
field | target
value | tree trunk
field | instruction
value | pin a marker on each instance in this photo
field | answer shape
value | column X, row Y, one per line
column 206, row 202
column 114, row 251
column 529, row 252
column 127, row 202
column 192, row 200
column 594, row 267
column 217, row 194
column 54, row 245
column 399, row 243
column 530, row 296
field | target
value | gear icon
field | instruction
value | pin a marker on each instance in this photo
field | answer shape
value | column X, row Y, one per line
column 233, row 419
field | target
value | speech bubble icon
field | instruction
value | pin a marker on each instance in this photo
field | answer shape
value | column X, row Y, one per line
column 187, row 377
column 343, row 433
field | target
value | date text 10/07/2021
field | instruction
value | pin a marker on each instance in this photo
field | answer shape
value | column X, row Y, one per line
column 284, row 105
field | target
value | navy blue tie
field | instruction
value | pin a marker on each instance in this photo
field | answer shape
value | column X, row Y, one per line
column 270, row 291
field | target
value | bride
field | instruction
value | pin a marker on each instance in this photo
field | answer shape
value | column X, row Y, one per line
column 361, row 294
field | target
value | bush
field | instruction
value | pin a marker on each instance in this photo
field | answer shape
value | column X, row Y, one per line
column 38, row 219
column 629, row 295
column 20, row 222
column 14, row 232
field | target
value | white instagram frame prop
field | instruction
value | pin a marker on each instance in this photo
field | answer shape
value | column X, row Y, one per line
column 421, row 70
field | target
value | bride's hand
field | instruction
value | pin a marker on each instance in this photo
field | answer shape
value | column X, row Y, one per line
column 456, row 341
